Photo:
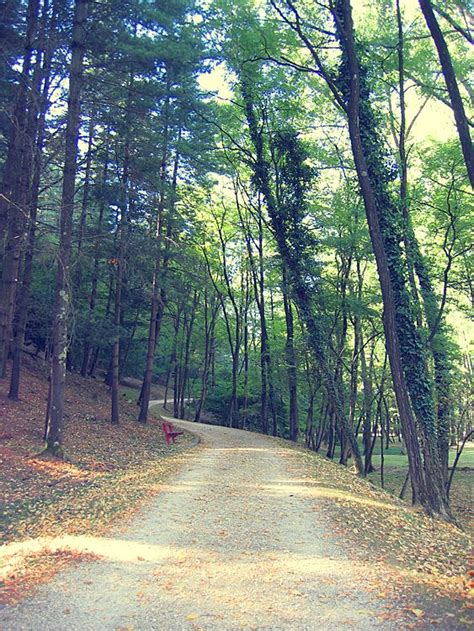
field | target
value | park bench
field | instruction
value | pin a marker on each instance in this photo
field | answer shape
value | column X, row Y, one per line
column 170, row 435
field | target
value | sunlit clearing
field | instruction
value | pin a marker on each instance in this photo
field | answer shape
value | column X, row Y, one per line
column 322, row 492
column 111, row 549
column 265, row 450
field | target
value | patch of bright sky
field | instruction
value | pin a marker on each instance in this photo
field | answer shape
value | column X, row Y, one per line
column 435, row 122
column 410, row 8
column 217, row 81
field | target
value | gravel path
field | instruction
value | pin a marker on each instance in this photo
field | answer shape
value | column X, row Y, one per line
column 233, row 542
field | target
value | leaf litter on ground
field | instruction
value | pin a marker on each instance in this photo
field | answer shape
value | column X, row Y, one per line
column 412, row 557
column 108, row 473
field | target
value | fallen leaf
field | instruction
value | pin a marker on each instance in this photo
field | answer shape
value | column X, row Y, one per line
column 192, row 616
column 417, row 612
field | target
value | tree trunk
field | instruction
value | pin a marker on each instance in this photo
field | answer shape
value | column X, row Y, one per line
column 178, row 374
column 344, row 271
column 37, row 110
column 115, row 360
column 244, row 420
column 210, row 315
column 416, row 264
column 331, row 446
column 86, row 189
column 61, row 309
column 14, row 190
column 367, row 414
column 119, row 284
column 151, row 348
column 258, row 279
column 189, row 325
column 322, row 424
column 173, row 357
column 452, row 86
column 426, row 480
column 291, row 360
column 86, row 353
column 234, row 339
column 157, row 305
column 354, row 373
column 296, row 273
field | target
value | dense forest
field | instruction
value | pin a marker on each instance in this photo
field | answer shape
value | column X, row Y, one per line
column 262, row 205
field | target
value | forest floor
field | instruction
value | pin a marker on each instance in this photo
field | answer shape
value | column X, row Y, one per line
column 44, row 498
column 242, row 531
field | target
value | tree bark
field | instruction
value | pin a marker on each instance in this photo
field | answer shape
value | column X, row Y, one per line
column 290, row 360
column 58, row 368
column 426, row 478
column 416, row 264
column 37, row 110
column 452, row 86
column 157, row 305
column 258, row 279
column 210, row 315
column 86, row 353
column 188, row 327
column 300, row 288
column 14, row 190
column 119, row 284
column 174, row 351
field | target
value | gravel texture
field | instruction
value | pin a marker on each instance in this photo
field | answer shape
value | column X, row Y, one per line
column 232, row 542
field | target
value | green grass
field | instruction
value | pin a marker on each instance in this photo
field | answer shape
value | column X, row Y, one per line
column 395, row 468
column 393, row 456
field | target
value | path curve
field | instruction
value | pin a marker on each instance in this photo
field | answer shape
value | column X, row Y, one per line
column 232, row 542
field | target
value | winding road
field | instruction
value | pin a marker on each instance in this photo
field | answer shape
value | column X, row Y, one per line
column 234, row 541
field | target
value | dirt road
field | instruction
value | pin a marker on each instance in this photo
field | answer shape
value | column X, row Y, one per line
column 233, row 542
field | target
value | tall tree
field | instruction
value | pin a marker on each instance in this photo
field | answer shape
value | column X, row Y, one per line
column 13, row 211
column 452, row 86
column 290, row 358
column 405, row 348
column 61, row 310
column 287, row 214
column 38, row 108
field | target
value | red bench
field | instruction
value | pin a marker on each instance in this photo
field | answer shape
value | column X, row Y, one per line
column 170, row 435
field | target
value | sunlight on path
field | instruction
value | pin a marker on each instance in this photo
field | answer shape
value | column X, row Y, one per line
column 233, row 542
